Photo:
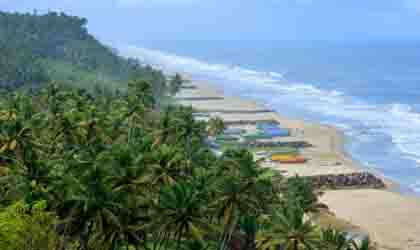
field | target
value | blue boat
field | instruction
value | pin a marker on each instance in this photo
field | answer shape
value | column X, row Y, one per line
column 234, row 131
column 276, row 132
column 267, row 125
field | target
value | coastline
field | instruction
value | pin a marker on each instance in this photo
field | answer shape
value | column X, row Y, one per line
column 328, row 156
column 341, row 140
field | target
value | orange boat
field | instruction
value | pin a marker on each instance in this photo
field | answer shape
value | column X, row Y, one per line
column 290, row 159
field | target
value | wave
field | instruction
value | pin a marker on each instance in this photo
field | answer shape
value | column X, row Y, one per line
column 397, row 121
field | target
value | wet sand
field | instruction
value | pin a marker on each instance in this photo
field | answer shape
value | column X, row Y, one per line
column 391, row 219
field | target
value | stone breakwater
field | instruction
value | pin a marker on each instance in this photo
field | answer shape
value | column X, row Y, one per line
column 340, row 181
column 250, row 122
column 295, row 144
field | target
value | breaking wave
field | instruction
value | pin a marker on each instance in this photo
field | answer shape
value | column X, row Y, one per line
column 396, row 121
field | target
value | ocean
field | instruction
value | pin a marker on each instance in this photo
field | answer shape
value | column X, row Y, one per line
column 369, row 90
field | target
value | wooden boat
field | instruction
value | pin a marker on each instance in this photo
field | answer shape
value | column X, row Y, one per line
column 234, row 131
column 222, row 138
column 276, row 132
column 284, row 151
column 264, row 125
column 257, row 135
column 290, row 159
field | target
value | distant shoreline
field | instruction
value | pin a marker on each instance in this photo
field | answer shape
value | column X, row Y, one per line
column 391, row 218
column 337, row 137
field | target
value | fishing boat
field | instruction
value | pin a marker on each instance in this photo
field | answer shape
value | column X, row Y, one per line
column 290, row 159
column 284, row 151
column 264, row 125
column 234, row 131
column 277, row 132
column 226, row 138
column 257, row 135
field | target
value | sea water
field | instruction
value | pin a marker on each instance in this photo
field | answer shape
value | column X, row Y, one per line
column 370, row 90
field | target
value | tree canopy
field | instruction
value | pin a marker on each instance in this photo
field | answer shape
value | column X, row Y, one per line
column 56, row 46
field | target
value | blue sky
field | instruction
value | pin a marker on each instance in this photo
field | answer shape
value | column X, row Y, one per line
column 130, row 21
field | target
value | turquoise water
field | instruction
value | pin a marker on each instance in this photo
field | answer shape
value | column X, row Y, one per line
column 371, row 91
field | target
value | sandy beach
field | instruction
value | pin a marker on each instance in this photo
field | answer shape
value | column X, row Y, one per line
column 391, row 219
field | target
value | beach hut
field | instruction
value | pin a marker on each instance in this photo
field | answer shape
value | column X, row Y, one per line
column 290, row 159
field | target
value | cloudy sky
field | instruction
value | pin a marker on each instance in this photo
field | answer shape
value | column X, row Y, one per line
column 131, row 21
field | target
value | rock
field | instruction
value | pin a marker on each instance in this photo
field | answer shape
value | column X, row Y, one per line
column 365, row 179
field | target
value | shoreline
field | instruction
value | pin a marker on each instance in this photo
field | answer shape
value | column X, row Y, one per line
column 342, row 140
column 375, row 211
column 337, row 144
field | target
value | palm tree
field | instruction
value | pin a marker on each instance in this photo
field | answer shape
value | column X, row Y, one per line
column 289, row 229
column 178, row 214
column 15, row 130
column 366, row 244
column 140, row 93
column 187, row 129
column 128, row 170
column 249, row 227
column 167, row 163
column 166, row 129
column 240, row 190
column 175, row 84
column 334, row 240
column 92, row 208
column 300, row 190
column 215, row 126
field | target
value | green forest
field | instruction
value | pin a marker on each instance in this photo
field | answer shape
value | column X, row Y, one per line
column 85, row 165
column 36, row 49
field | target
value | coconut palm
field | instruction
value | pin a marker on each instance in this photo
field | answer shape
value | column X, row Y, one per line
column 215, row 126
column 175, row 84
column 240, row 190
column 91, row 208
column 301, row 191
column 290, row 229
column 166, row 129
column 178, row 214
column 140, row 92
column 167, row 163
column 334, row 240
column 187, row 128
column 249, row 227
column 365, row 244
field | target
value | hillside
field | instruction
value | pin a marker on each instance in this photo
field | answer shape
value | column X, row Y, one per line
column 38, row 48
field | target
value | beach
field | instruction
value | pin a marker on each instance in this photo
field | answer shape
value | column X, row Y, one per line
column 391, row 219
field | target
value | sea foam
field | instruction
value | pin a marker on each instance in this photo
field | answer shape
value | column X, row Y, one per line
column 395, row 120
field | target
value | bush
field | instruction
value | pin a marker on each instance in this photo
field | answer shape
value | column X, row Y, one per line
column 23, row 227
column 300, row 191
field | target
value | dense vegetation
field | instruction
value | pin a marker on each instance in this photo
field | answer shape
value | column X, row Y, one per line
column 90, row 168
column 110, row 171
column 38, row 48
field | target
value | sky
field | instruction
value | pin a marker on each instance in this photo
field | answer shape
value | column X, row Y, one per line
column 131, row 21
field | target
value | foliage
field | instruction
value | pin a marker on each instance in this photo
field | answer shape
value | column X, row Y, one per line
column 118, row 173
column 35, row 49
column 300, row 191
column 25, row 227
column 216, row 126
column 175, row 84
